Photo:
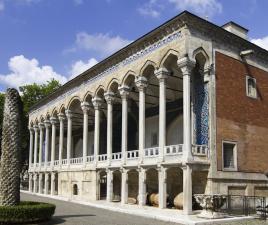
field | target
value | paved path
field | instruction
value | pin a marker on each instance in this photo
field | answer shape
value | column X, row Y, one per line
column 75, row 214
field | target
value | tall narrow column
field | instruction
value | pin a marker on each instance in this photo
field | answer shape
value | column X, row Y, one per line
column 162, row 177
column 97, row 104
column 141, row 83
column 85, row 108
column 53, row 121
column 35, row 144
column 162, row 74
column 124, row 92
column 46, row 183
column 109, row 185
column 142, row 187
column 124, row 188
column 30, row 182
column 186, row 66
column 40, row 183
column 61, row 138
column 47, row 125
column 69, row 135
column 31, row 146
column 41, row 140
column 52, row 183
column 35, row 183
column 109, row 97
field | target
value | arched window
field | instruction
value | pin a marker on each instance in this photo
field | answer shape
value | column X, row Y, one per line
column 75, row 189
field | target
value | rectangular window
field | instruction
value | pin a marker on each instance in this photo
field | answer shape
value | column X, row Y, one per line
column 229, row 155
column 251, row 87
column 154, row 139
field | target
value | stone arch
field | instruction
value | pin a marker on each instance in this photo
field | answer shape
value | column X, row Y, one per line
column 129, row 78
column 87, row 96
column 133, row 186
column 42, row 118
column 47, row 116
column 99, row 92
column 72, row 100
column 102, row 181
column 36, row 121
column 75, row 189
column 113, row 85
column 62, row 109
column 147, row 64
column 201, row 57
column 54, row 112
column 117, row 180
column 170, row 54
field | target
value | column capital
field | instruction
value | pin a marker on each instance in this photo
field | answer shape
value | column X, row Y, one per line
column 61, row 116
column 68, row 113
column 85, row 107
column 161, row 73
column 47, row 123
column 186, row 65
column 53, row 120
column 35, row 127
column 97, row 102
column 124, row 91
column 109, row 97
column 141, row 83
column 41, row 126
column 31, row 129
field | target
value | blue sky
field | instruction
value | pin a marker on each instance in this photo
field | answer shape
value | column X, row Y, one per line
column 42, row 39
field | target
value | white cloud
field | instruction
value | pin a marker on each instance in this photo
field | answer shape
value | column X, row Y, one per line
column 202, row 7
column 100, row 44
column 80, row 66
column 262, row 42
column 154, row 8
column 27, row 71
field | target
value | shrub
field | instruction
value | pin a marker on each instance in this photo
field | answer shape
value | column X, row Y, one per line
column 26, row 212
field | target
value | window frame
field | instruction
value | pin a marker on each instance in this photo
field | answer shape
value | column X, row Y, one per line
column 247, row 89
column 234, row 155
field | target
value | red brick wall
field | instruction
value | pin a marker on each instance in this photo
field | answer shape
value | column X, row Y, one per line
column 240, row 118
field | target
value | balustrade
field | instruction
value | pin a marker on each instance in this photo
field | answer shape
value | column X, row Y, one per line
column 151, row 152
column 102, row 157
column 174, row 149
column 116, row 156
column 134, row 154
column 90, row 158
column 200, row 150
column 76, row 160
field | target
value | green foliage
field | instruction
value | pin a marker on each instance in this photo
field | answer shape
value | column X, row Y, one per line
column 26, row 212
column 30, row 95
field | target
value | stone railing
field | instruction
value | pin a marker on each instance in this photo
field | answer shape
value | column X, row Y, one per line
column 174, row 149
column 102, row 157
column 200, row 150
column 64, row 162
column 76, row 160
column 134, row 154
column 56, row 162
column 151, row 152
column 116, row 156
column 90, row 158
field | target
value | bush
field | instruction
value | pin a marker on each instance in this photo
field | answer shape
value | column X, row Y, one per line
column 26, row 212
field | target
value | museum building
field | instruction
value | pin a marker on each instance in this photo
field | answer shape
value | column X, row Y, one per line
column 182, row 110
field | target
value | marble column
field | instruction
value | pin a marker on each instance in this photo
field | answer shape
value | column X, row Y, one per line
column 141, row 83
column 46, row 183
column 109, row 197
column 124, row 187
column 162, row 74
column 142, row 187
column 35, row 183
column 187, row 190
column 97, row 104
column 124, row 92
column 186, row 65
column 109, row 97
column 31, row 146
column 52, row 183
column 162, row 183
column 61, row 117
column 69, row 135
column 85, row 109
column 53, row 121
column 35, row 144
column 40, row 182
column 47, row 125
column 30, row 182
column 41, row 140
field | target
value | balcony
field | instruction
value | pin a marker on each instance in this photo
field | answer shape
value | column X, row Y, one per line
column 172, row 154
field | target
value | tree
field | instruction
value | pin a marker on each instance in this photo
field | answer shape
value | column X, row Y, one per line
column 11, row 149
column 2, row 100
column 30, row 95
